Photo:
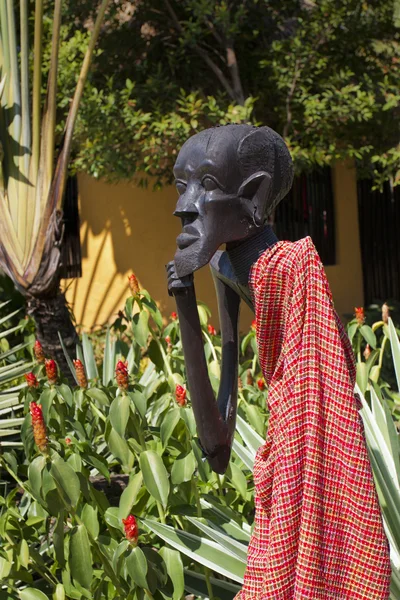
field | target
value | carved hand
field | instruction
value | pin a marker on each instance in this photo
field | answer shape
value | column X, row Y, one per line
column 215, row 420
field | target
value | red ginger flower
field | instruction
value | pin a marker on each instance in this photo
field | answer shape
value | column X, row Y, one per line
column 38, row 426
column 261, row 384
column 131, row 529
column 385, row 313
column 168, row 340
column 38, row 352
column 133, row 284
column 51, row 370
column 122, row 375
column 180, row 395
column 68, row 440
column 254, row 325
column 211, row 330
column 174, row 316
column 367, row 352
column 360, row 316
column 31, row 380
column 80, row 373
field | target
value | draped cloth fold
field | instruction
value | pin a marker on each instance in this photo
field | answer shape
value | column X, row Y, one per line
column 318, row 531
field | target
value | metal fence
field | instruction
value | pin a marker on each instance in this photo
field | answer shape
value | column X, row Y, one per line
column 379, row 219
column 308, row 209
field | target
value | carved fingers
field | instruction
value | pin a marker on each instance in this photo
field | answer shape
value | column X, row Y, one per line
column 177, row 284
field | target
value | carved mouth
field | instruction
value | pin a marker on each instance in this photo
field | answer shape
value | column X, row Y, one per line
column 185, row 239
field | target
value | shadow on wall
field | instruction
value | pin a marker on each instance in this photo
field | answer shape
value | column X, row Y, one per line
column 127, row 229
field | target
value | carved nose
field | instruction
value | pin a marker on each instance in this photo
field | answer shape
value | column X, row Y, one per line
column 187, row 211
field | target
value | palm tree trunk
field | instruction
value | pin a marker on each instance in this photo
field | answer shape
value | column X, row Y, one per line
column 52, row 317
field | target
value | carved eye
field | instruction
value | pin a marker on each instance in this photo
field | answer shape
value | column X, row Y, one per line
column 209, row 184
column 181, row 187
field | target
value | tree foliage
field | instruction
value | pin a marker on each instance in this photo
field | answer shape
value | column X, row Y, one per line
column 323, row 74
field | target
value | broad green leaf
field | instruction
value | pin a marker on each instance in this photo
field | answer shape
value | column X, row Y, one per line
column 67, row 480
column 68, row 358
column 32, row 594
column 140, row 327
column 119, row 413
column 362, row 376
column 80, row 557
column 35, row 475
column 203, row 315
column 368, row 335
column 195, row 583
column 256, row 419
column 59, row 592
column 129, row 495
column 173, row 562
column 98, row 395
column 58, row 539
column 250, row 437
column 109, row 359
column 168, row 425
column 203, row 551
column 395, row 344
column 136, row 565
column 225, row 521
column 229, row 544
column 237, row 479
column 65, row 392
column 5, row 568
column 244, row 454
column 183, row 469
column 139, row 401
column 155, row 476
column 90, row 361
column 24, row 553
column 118, row 556
column 120, row 449
column 111, row 517
column 90, row 520
column 155, row 355
column 203, row 468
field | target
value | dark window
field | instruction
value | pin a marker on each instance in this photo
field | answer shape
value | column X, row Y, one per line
column 308, row 209
column 379, row 220
column 71, row 258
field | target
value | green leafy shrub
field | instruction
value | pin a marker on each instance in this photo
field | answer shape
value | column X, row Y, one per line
column 123, row 442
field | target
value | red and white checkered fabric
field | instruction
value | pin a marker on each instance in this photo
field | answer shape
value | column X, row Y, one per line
column 318, row 531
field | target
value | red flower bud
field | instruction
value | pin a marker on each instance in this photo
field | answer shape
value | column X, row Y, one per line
column 31, row 380
column 122, row 375
column 133, row 284
column 254, row 325
column 80, row 373
column 38, row 426
column 367, row 352
column 360, row 316
column 131, row 529
column 211, row 330
column 180, row 395
column 261, row 384
column 38, row 352
column 51, row 370
column 168, row 340
column 68, row 440
column 174, row 316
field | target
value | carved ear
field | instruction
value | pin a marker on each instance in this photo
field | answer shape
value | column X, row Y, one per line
column 256, row 188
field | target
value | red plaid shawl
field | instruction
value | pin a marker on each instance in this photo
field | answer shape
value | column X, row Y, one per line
column 318, row 531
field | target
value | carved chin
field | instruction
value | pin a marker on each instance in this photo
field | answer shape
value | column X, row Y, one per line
column 190, row 259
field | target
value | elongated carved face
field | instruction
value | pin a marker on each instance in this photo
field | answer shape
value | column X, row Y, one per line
column 216, row 203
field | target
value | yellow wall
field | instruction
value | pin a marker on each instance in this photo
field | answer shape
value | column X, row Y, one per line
column 125, row 228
